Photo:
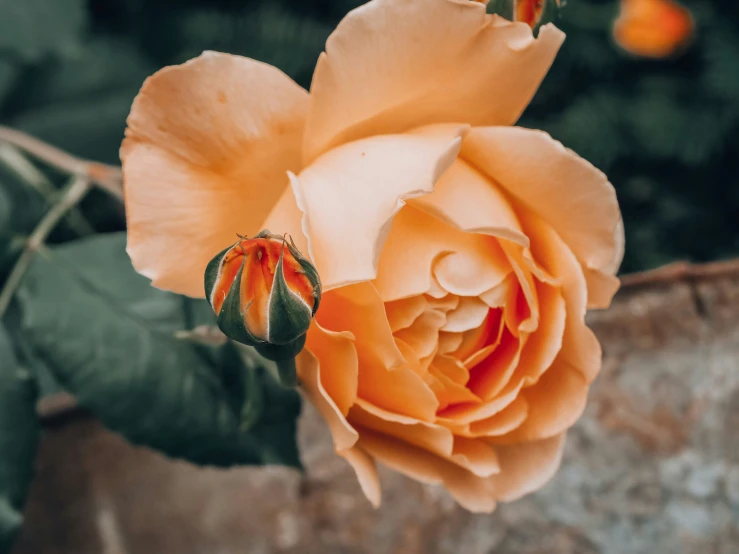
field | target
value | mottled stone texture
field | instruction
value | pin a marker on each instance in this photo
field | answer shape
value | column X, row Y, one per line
column 652, row 467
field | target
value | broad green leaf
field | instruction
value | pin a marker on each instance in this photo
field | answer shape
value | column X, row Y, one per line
column 109, row 338
column 19, row 432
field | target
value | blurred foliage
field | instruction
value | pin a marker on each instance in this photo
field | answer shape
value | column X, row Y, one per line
column 664, row 131
column 19, row 430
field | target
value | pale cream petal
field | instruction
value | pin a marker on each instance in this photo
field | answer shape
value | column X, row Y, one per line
column 206, row 156
column 423, row 335
column 392, row 65
column 419, row 242
column 526, row 467
column 471, row 274
column 350, row 195
column 467, row 200
column 574, row 197
column 469, row 314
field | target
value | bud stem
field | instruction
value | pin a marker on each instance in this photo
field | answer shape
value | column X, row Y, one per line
column 287, row 372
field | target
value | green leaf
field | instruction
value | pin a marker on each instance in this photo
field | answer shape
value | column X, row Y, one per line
column 19, row 432
column 109, row 338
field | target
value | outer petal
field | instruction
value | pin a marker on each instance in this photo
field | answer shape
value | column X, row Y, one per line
column 309, row 371
column 366, row 470
column 574, row 197
column 555, row 404
column 472, row 492
column 392, row 65
column 526, row 467
column 205, row 157
column 350, row 195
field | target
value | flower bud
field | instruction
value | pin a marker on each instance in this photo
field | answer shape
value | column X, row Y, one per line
column 264, row 293
column 535, row 12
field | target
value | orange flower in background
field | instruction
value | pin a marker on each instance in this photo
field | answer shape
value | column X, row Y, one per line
column 653, row 28
column 458, row 254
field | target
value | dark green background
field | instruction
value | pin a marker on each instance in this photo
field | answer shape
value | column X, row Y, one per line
column 666, row 132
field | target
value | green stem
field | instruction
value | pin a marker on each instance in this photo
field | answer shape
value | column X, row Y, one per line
column 288, row 373
column 70, row 197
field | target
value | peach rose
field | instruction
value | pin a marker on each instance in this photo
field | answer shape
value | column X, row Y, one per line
column 458, row 254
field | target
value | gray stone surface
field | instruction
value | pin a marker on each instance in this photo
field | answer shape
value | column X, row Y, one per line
column 652, row 467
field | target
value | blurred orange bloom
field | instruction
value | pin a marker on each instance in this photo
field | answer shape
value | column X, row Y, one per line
column 653, row 28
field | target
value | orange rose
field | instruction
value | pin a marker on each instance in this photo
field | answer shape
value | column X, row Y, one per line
column 458, row 254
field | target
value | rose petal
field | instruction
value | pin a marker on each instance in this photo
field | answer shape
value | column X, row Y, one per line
column 492, row 374
column 472, row 492
column 309, row 373
column 526, row 467
column 390, row 66
column 469, row 314
column 429, row 436
column 419, row 242
column 467, row 200
column 358, row 309
column 556, row 401
column 350, row 195
column 580, row 347
column 503, row 422
column 205, row 157
column 401, row 391
column 366, row 472
column 574, row 197
column 476, row 456
column 462, row 415
column 402, row 313
column 543, row 345
column 340, row 365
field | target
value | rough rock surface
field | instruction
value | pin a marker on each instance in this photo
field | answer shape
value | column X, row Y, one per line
column 652, row 467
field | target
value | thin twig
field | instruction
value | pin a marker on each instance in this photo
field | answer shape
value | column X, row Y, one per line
column 29, row 174
column 107, row 177
column 70, row 197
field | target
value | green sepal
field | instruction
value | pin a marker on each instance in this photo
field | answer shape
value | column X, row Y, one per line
column 211, row 272
column 280, row 352
column 230, row 320
column 288, row 315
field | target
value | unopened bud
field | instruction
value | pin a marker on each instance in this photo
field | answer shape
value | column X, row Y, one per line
column 264, row 294
column 535, row 12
